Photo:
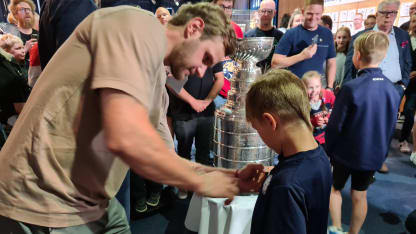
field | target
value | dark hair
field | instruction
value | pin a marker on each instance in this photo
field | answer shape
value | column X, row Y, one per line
column 371, row 16
column 284, row 22
column 326, row 19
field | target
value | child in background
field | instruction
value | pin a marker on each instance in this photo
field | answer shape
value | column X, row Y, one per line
column 342, row 41
column 294, row 197
column 14, row 46
column 321, row 101
column 361, row 127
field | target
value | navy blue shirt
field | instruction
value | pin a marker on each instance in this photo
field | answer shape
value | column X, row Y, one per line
column 295, row 196
column 296, row 39
column 257, row 32
column 363, row 120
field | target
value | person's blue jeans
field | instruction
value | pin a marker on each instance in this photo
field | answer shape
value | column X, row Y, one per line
column 200, row 128
column 123, row 195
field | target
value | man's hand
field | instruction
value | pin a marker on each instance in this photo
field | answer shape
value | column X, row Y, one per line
column 29, row 45
column 198, row 105
column 309, row 51
column 250, row 178
column 412, row 74
column 219, row 184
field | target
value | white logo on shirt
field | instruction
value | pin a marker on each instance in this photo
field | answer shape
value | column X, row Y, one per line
column 266, row 184
column 375, row 79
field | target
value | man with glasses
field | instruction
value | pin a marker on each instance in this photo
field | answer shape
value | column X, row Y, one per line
column 227, row 5
column 397, row 64
column 412, row 10
column 266, row 13
column 23, row 16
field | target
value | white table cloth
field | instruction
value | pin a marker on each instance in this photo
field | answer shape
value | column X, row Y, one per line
column 211, row 216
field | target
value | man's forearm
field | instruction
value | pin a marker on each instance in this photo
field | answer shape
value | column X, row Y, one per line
column 129, row 135
column 282, row 61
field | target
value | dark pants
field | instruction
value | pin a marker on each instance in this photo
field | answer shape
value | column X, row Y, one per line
column 114, row 221
column 409, row 113
column 141, row 187
column 200, row 128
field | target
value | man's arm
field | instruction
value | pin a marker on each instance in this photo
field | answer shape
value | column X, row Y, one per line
column 331, row 68
column 130, row 136
column 349, row 69
column 407, row 60
column 281, row 61
column 196, row 104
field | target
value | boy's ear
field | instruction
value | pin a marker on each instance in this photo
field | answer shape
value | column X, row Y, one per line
column 271, row 120
column 194, row 28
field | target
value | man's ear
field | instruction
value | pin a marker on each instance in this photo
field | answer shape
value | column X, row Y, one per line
column 194, row 28
column 358, row 55
column 271, row 120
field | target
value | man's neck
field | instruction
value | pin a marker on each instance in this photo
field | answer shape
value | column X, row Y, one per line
column 385, row 30
column 310, row 28
column 23, row 28
column 266, row 26
column 356, row 27
column 364, row 66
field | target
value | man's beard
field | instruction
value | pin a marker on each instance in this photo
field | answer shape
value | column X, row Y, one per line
column 27, row 24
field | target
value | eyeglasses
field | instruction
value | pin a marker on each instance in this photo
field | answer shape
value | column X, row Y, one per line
column 24, row 10
column 226, row 8
column 388, row 13
column 266, row 11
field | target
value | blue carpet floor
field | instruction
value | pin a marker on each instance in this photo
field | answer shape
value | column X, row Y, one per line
column 390, row 199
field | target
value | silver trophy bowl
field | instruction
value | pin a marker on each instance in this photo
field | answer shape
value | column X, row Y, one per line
column 236, row 143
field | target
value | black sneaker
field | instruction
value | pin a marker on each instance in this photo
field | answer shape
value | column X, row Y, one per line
column 153, row 199
column 141, row 206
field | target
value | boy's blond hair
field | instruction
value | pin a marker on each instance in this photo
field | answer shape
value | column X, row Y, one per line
column 280, row 92
column 7, row 41
column 216, row 23
column 372, row 46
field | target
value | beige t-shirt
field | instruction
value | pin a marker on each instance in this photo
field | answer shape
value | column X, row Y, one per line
column 55, row 170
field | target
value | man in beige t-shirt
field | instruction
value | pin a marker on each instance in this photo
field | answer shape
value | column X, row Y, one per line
column 96, row 111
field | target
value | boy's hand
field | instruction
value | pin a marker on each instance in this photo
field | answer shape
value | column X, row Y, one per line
column 250, row 177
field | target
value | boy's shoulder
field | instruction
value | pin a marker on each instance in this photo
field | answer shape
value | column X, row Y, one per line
column 290, row 171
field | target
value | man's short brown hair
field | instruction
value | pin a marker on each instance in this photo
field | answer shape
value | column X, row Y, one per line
column 216, row 22
column 372, row 46
column 279, row 92
column 314, row 2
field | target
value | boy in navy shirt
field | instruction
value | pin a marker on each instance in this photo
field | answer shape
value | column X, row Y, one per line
column 360, row 129
column 294, row 197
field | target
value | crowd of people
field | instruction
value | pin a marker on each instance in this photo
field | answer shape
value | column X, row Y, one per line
column 91, row 103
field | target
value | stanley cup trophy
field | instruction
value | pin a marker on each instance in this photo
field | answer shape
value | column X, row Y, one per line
column 236, row 143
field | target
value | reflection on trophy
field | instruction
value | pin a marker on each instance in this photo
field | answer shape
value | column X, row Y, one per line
column 236, row 143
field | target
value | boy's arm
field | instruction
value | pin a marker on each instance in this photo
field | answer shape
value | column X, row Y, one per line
column 338, row 116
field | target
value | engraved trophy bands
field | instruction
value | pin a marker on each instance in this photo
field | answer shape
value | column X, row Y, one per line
column 236, row 143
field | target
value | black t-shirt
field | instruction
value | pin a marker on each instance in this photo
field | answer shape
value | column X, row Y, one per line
column 266, row 64
column 294, row 198
column 198, row 88
column 27, row 37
